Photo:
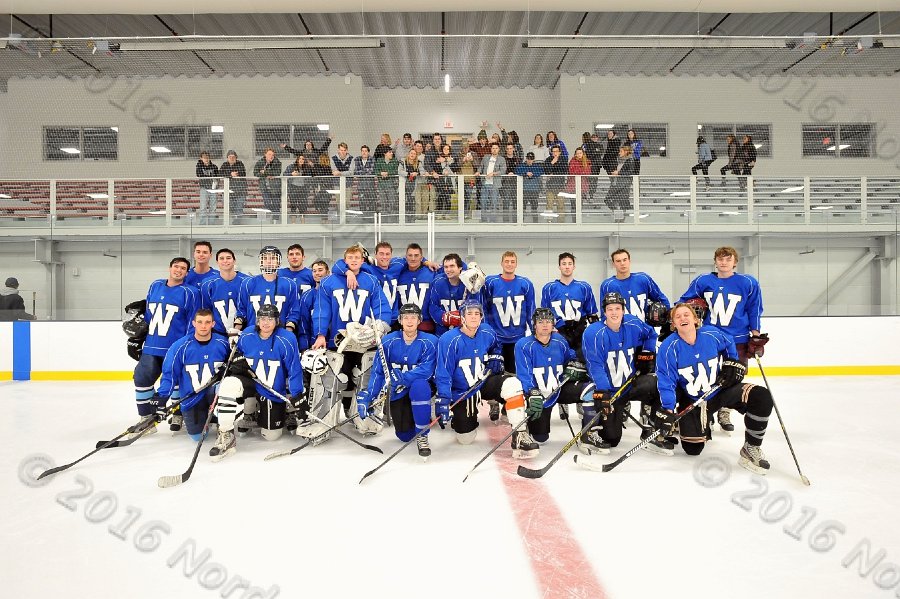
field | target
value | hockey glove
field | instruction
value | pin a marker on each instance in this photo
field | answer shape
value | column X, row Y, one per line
column 664, row 420
column 363, row 404
column 644, row 362
column 135, row 348
column 731, row 374
column 603, row 403
column 442, row 411
column 494, row 363
column 233, row 335
column 451, row 319
column 472, row 278
column 534, row 405
column 239, row 367
column 757, row 345
column 575, row 371
column 158, row 403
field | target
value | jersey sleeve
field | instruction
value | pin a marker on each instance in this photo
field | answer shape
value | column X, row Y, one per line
column 524, row 365
column 545, row 296
column 648, row 337
column 435, row 309
column 590, row 302
column 292, row 303
column 667, row 375
column 340, row 267
column 595, row 356
column 656, row 294
column 446, row 364
column 378, row 301
column 754, row 305
column 170, row 366
column 425, row 367
column 243, row 303
column 529, row 307
column 291, row 360
column 322, row 310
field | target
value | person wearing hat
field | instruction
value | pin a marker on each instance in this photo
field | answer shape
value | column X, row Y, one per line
column 12, row 306
column 236, row 173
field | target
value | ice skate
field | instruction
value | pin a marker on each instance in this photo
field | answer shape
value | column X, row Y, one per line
column 724, row 417
column 592, row 442
column 424, row 448
column 523, row 446
column 660, row 445
column 226, row 445
column 752, row 459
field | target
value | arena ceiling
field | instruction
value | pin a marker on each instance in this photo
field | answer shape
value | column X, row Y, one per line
column 477, row 49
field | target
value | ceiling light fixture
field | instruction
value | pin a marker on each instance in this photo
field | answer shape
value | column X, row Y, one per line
column 275, row 42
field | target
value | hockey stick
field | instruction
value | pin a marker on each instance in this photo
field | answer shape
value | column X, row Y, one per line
column 657, row 431
column 385, row 395
column 803, row 478
column 465, row 396
column 532, row 473
column 164, row 482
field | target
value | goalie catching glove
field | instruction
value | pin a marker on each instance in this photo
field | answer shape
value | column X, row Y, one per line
column 361, row 337
column 472, row 278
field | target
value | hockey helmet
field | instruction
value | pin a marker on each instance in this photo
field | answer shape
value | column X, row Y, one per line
column 543, row 314
column 268, row 311
column 699, row 306
column 468, row 305
column 411, row 308
column 656, row 314
column 613, row 298
column 264, row 267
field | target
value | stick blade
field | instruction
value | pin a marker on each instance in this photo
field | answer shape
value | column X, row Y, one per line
column 530, row 473
column 278, row 454
column 588, row 463
column 803, row 479
column 367, row 475
column 373, row 448
column 165, row 482
column 53, row 470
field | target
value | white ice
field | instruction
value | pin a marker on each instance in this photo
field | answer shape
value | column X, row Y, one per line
column 414, row 530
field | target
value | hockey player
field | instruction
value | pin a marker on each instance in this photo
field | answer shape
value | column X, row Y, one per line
column 201, row 271
column 572, row 301
column 268, row 354
column 689, row 363
column 467, row 358
column 636, row 287
column 549, row 374
column 191, row 363
column 451, row 288
column 411, row 356
column 735, row 307
column 305, row 337
column 220, row 294
column 268, row 288
column 414, row 285
column 170, row 306
column 295, row 270
column 614, row 349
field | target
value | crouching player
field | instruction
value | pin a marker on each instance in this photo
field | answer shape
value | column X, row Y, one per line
column 469, row 364
column 689, row 362
column 549, row 374
column 614, row 349
column 411, row 356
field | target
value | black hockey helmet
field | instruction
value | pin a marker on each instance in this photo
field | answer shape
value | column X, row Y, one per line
column 411, row 308
column 656, row 314
column 542, row 314
column 699, row 306
column 613, row 298
column 269, row 249
column 268, row 310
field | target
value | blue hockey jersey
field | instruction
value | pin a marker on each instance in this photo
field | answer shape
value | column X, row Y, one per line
column 336, row 305
column 221, row 297
column 445, row 297
column 169, row 314
column 414, row 287
column 694, row 368
column 303, row 278
column 637, row 290
column 509, row 305
column 461, row 360
column 275, row 360
column 189, row 364
column 610, row 354
column 735, row 303
column 568, row 302
column 192, row 278
column 540, row 366
column 407, row 361
column 256, row 291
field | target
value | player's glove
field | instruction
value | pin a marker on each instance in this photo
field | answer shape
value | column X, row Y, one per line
column 451, row 319
column 575, row 371
column 135, row 348
column 363, row 404
column 233, row 335
column 644, row 362
column 494, row 363
column 664, row 420
column 534, row 405
column 756, row 345
column 158, row 403
column 731, row 374
column 239, row 367
column 442, row 411
column 603, row 402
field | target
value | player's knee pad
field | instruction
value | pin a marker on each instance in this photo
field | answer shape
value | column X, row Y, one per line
column 759, row 401
column 231, row 387
column 466, row 438
column 271, row 435
column 511, row 388
column 541, row 437
column 692, row 448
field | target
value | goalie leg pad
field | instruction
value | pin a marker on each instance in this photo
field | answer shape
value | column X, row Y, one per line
column 313, row 428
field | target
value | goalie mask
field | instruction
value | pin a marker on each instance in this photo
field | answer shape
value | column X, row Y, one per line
column 656, row 314
column 269, row 260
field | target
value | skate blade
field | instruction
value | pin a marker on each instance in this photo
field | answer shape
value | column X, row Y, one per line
column 525, row 454
column 749, row 465
column 725, row 431
column 587, row 463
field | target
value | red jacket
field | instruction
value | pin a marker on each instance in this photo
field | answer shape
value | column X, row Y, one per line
column 576, row 168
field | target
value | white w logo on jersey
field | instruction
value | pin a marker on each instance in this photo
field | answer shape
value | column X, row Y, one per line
column 256, row 300
column 702, row 382
column 267, row 375
column 510, row 314
column 449, row 305
column 571, row 310
column 547, row 378
column 226, row 315
column 472, row 369
column 350, row 304
column 617, row 363
column 390, row 291
column 198, row 377
column 637, row 305
column 159, row 322
column 719, row 313
column 413, row 294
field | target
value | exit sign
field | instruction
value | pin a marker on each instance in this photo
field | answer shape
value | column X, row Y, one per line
column 448, row 124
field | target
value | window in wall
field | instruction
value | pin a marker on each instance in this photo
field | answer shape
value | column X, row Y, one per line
column 846, row 140
column 715, row 134
column 181, row 142
column 81, row 143
column 655, row 136
column 270, row 136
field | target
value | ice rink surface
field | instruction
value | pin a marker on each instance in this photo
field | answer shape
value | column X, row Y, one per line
column 302, row 526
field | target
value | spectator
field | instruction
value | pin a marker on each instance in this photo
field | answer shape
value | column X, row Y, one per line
column 511, row 138
column 617, row 198
column 553, row 140
column 386, row 171
column 747, row 158
column 206, row 171
column 402, row 147
column 342, row 161
column 382, row 146
column 237, row 183
column 364, row 170
column 637, row 149
column 540, row 151
column 482, row 148
column 324, row 183
column 495, row 139
column 531, row 173
column 470, row 182
column 555, row 167
column 299, row 172
column 593, row 150
column 447, row 182
column 508, row 191
column 704, row 158
column 734, row 164
column 12, row 306
column 268, row 169
column 492, row 169
column 579, row 165
column 309, row 151
column 410, row 169
column 610, row 160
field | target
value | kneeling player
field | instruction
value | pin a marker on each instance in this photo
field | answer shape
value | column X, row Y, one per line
column 469, row 365
column 549, row 374
column 411, row 356
column 689, row 362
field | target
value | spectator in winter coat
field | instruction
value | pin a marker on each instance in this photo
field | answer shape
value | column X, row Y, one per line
column 386, row 174
column 593, row 149
column 531, row 172
column 637, row 148
column 206, row 171
column 237, row 183
column 268, row 169
column 734, row 163
column 610, row 160
column 555, row 167
column 12, row 306
column 704, row 157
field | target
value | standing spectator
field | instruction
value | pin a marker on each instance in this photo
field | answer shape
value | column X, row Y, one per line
column 409, row 168
column 593, row 149
column 364, row 170
column 556, row 167
column 12, row 306
column 508, row 192
column 579, row 165
column 734, row 164
column 610, row 160
column 540, row 151
column 637, row 148
column 704, row 157
column 298, row 185
column 447, row 182
column 342, row 161
column 324, row 183
column 747, row 157
column 206, row 172
column 531, row 173
column 511, row 138
column 617, row 198
column 268, row 169
column 309, row 151
column 482, row 148
column 470, row 182
column 383, row 146
column 493, row 167
column 237, row 183
column 403, row 146
column 386, row 172
column 553, row 140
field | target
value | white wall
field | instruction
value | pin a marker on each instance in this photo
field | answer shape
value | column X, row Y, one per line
column 6, row 355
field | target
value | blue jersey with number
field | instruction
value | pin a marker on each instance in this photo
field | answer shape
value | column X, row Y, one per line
column 303, row 278
column 189, row 365
column 414, row 287
column 461, row 360
column 387, row 279
column 572, row 301
column 610, row 354
column 192, row 278
column 446, row 297
column 221, row 297
column 540, row 366
column 256, row 291
column 637, row 289
column 695, row 367
column 169, row 315
column 275, row 361
column 735, row 303
column 336, row 305
column 509, row 305
column 407, row 361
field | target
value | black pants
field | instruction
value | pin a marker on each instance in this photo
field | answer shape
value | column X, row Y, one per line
column 703, row 166
column 753, row 401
